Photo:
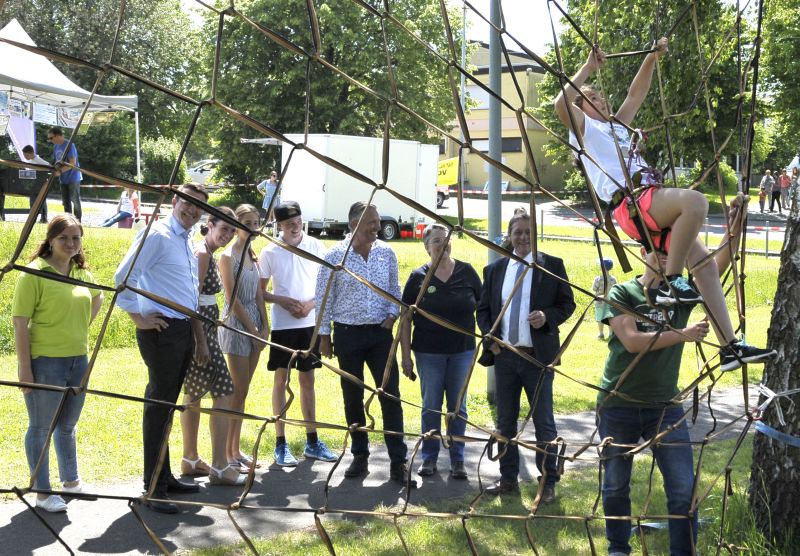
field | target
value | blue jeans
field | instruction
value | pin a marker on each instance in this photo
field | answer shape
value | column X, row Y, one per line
column 121, row 215
column 42, row 406
column 443, row 374
column 627, row 425
column 513, row 374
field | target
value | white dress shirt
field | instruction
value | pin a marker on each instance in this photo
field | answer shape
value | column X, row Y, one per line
column 524, row 336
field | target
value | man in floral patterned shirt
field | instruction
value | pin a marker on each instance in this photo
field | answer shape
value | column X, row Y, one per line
column 362, row 321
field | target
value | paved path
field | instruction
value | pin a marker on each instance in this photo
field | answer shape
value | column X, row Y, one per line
column 109, row 527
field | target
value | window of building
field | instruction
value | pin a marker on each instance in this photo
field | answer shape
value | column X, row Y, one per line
column 510, row 145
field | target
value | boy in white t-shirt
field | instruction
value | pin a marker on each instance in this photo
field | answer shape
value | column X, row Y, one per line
column 293, row 316
column 672, row 216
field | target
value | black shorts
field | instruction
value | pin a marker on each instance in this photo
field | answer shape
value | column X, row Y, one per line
column 294, row 338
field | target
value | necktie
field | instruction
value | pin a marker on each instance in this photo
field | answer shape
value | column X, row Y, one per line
column 516, row 301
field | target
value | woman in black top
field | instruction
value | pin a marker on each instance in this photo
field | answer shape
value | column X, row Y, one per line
column 443, row 356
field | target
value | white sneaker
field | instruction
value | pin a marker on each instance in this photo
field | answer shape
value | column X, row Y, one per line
column 53, row 503
column 80, row 488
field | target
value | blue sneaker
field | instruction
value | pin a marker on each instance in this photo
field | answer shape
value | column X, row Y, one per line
column 284, row 457
column 320, row 451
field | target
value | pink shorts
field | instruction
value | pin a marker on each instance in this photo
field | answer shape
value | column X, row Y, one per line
column 624, row 221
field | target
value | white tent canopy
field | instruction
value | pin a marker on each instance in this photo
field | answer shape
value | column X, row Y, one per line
column 35, row 78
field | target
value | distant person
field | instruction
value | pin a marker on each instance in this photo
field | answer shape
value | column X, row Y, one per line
column 643, row 367
column 294, row 281
column 541, row 303
column 70, row 179
column 362, row 322
column 51, row 330
column 166, row 266
column 773, row 191
column 127, row 207
column 762, row 197
column 247, row 314
column 269, row 189
column 208, row 372
column 443, row 357
column 600, row 287
column 785, row 182
column 30, row 155
column 793, row 187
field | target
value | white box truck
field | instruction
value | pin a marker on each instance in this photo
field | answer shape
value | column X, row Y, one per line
column 325, row 193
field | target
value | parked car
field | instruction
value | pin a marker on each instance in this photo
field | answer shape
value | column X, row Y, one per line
column 203, row 170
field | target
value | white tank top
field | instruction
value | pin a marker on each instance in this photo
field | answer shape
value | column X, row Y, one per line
column 599, row 144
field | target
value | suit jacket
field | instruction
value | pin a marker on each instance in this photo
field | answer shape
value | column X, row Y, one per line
column 549, row 295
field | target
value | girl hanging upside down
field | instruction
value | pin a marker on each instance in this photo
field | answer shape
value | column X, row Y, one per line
column 672, row 217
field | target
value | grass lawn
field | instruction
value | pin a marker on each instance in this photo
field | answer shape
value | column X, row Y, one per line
column 560, row 529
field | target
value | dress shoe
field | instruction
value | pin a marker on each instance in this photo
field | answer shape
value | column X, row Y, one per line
column 163, row 506
column 398, row 472
column 548, row 494
column 358, row 466
column 457, row 470
column 503, row 486
column 179, row 487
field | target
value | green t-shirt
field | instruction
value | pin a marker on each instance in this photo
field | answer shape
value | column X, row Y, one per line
column 59, row 313
column 654, row 380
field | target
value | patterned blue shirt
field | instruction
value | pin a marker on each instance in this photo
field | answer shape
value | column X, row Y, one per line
column 167, row 267
column 350, row 301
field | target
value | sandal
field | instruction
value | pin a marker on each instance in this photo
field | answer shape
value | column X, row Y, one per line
column 217, row 476
column 247, row 461
column 194, row 468
column 239, row 466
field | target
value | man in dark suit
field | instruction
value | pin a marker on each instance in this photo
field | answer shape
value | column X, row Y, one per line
column 536, row 307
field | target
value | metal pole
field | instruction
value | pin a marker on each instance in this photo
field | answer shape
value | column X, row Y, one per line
column 541, row 220
column 138, row 156
column 495, row 151
column 706, row 231
column 766, row 242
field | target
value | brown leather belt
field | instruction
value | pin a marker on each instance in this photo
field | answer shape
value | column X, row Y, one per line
column 524, row 349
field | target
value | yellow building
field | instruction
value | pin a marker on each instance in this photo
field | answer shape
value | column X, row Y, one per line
column 528, row 74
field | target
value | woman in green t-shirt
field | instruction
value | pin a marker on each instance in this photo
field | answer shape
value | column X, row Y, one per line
column 51, row 331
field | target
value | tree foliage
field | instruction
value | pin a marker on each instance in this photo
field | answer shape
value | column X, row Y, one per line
column 157, row 41
column 634, row 26
column 268, row 82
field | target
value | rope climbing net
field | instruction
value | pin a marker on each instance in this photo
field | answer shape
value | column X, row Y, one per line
column 586, row 450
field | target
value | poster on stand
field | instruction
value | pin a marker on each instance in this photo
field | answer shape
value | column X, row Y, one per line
column 3, row 103
column 68, row 117
column 45, row 114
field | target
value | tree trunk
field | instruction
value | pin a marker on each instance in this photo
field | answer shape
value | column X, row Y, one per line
column 775, row 471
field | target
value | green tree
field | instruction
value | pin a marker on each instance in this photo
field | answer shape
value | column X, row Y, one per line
column 633, row 26
column 157, row 41
column 268, row 82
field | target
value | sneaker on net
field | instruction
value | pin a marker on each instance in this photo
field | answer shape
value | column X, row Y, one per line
column 283, row 456
column 318, row 450
column 735, row 354
column 53, row 503
column 679, row 290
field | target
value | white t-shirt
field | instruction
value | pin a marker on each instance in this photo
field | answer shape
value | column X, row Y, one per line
column 126, row 203
column 291, row 276
column 599, row 144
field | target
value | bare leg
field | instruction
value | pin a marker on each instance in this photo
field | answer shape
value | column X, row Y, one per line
column 279, row 398
column 683, row 210
column 219, row 433
column 600, row 329
column 190, row 422
column 707, row 279
column 239, row 367
column 307, row 398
